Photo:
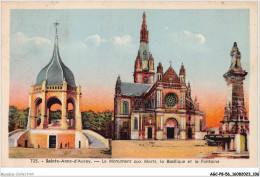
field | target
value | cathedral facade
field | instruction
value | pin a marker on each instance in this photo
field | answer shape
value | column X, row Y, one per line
column 158, row 105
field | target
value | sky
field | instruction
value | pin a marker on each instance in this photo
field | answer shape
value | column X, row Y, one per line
column 98, row 45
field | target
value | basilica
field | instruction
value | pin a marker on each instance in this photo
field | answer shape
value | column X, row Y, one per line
column 158, row 105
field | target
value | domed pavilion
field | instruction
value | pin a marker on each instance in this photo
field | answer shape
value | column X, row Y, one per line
column 55, row 86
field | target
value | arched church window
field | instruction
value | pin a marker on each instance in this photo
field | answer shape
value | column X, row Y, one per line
column 189, row 105
column 151, row 79
column 170, row 79
column 140, row 78
column 171, row 100
column 145, row 80
column 136, row 123
column 125, row 107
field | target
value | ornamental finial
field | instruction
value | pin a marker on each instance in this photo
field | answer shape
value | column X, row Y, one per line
column 144, row 16
column 56, row 25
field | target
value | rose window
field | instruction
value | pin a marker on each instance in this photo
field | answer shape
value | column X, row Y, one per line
column 171, row 100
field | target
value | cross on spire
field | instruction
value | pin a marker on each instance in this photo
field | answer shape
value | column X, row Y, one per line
column 144, row 16
column 56, row 24
column 170, row 63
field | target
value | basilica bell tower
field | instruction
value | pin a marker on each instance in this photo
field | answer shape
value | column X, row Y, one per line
column 144, row 63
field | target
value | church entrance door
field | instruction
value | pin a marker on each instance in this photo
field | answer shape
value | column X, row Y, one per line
column 52, row 141
column 123, row 135
column 170, row 132
column 171, row 127
column 150, row 132
column 189, row 133
column 26, row 143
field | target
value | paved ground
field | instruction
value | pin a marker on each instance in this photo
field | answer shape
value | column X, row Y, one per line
column 126, row 149
column 58, row 153
column 162, row 149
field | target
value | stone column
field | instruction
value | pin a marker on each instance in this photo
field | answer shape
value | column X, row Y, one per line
column 48, row 116
column 183, row 127
column 63, row 121
column 182, row 101
column 159, row 132
column 195, row 123
column 232, row 144
column 238, row 143
column 73, row 117
column 160, row 98
column 162, row 128
column 224, row 127
column 141, row 126
column 31, row 115
column 43, row 111
column 115, row 128
column 157, row 99
column 78, row 111
column 157, row 122
column 196, row 126
column 119, row 107
column 161, row 122
column 226, row 147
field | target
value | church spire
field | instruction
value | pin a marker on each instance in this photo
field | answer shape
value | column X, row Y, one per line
column 144, row 31
column 182, row 74
column 182, row 70
column 144, row 63
column 118, row 86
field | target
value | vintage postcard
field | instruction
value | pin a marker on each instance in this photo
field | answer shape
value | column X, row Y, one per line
column 129, row 84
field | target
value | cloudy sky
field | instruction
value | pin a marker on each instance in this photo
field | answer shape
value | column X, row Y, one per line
column 97, row 45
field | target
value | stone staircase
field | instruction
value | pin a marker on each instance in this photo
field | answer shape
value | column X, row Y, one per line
column 14, row 136
column 96, row 141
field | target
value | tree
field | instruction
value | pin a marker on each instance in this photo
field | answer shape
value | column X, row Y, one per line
column 55, row 115
column 23, row 118
column 99, row 122
column 17, row 118
column 13, row 118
